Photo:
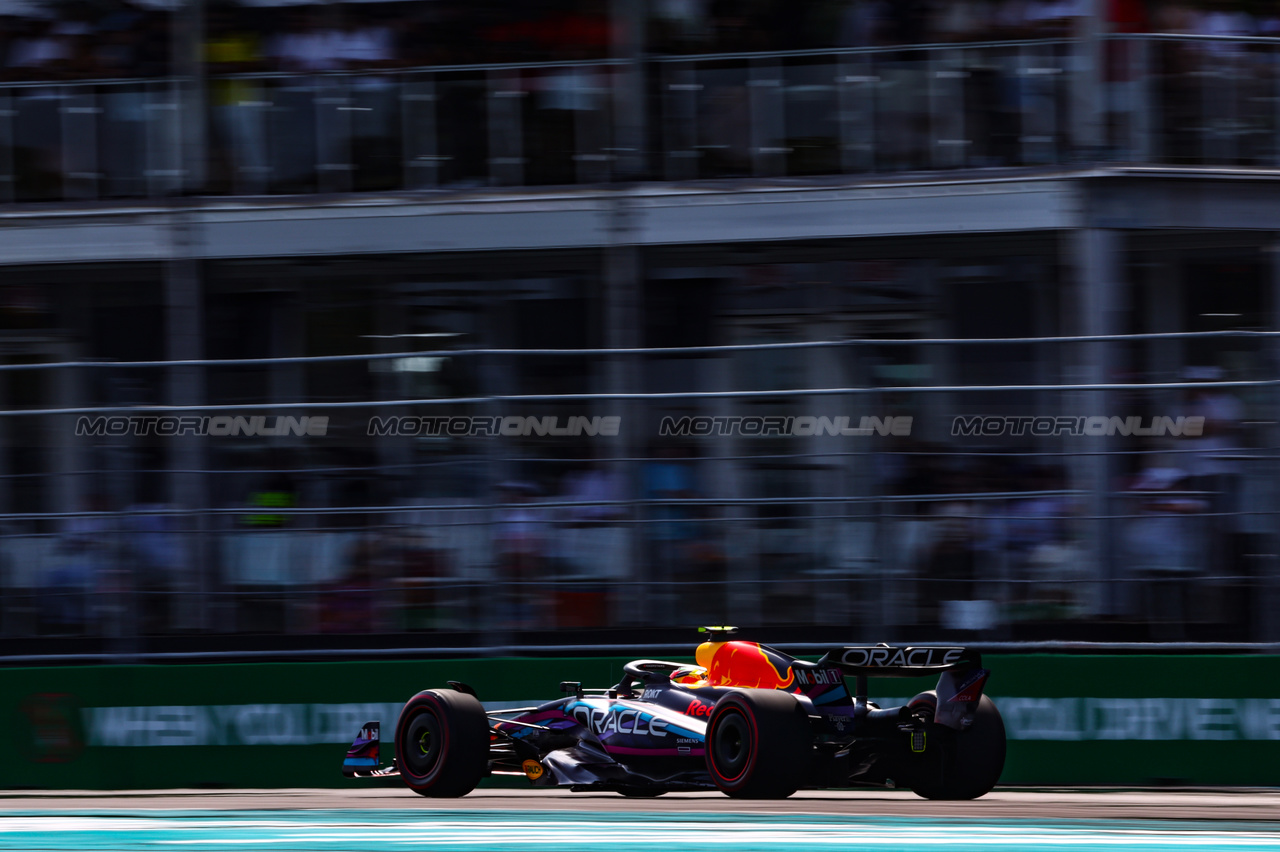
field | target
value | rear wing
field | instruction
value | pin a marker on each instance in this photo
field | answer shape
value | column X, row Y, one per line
column 887, row 661
column 961, row 677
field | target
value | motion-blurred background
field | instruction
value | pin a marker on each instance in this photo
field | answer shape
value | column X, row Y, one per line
column 795, row 210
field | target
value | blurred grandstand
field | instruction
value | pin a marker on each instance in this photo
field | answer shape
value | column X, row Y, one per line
column 419, row 228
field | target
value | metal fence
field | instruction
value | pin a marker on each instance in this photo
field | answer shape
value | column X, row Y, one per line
column 1143, row 98
column 1079, row 529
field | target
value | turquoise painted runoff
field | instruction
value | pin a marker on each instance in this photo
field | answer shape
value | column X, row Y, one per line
column 520, row 831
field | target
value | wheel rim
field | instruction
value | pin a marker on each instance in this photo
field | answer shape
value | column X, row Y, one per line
column 731, row 745
column 422, row 743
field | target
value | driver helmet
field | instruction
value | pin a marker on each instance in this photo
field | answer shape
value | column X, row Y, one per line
column 689, row 675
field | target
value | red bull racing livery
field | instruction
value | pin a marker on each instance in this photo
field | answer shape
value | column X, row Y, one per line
column 748, row 720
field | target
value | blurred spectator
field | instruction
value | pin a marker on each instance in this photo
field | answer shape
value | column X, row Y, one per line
column 1123, row 81
column 123, row 51
column 1215, row 465
column 311, row 38
column 239, row 120
column 1178, row 67
column 680, row 25
column 1055, row 18
column 707, row 598
column 1225, row 61
column 121, row 37
column 308, row 44
column 82, row 585
column 669, row 477
column 544, row 31
column 864, row 23
column 157, row 563
column 565, row 98
column 521, row 549
column 1165, row 551
column 1223, row 18
column 950, row 567
column 1223, row 413
column 1269, row 26
column 590, row 544
column 1037, row 519
column 364, row 45
column 278, row 492
column 347, row 605
column 39, row 50
column 1219, row 122
column 116, row 53
column 964, row 20
column 1127, row 16
column 1047, row 573
column 593, row 485
column 1175, row 17
column 1013, row 20
column 418, row 569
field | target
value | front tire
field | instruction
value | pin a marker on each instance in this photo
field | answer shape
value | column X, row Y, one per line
column 442, row 743
column 758, row 744
column 960, row 764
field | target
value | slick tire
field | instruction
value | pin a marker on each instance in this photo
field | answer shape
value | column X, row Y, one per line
column 442, row 743
column 960, row 764
column 758, row 745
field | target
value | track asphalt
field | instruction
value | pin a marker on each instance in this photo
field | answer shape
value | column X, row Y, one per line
column 392, row 819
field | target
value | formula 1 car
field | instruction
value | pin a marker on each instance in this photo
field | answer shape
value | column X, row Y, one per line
column 748, row 720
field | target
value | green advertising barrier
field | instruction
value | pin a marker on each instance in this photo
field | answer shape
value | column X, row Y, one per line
column 1071, row 720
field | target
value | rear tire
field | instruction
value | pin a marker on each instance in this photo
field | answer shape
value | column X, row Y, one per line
column 960, row 764
column 442, row 743
column 758, row 744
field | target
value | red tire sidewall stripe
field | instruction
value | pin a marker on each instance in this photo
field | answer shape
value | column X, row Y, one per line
column 424, row 781
column 741, row 778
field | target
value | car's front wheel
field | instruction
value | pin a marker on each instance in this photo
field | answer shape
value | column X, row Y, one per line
column 759, row 745
column 442, row 743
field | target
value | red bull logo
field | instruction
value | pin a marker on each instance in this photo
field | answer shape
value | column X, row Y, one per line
column 745, row 664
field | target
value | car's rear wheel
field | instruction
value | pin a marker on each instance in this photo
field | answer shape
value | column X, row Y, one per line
column 758, row 745
column 960, row 764
column 442, row 743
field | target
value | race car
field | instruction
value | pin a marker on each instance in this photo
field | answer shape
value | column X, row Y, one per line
column 747, row 720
